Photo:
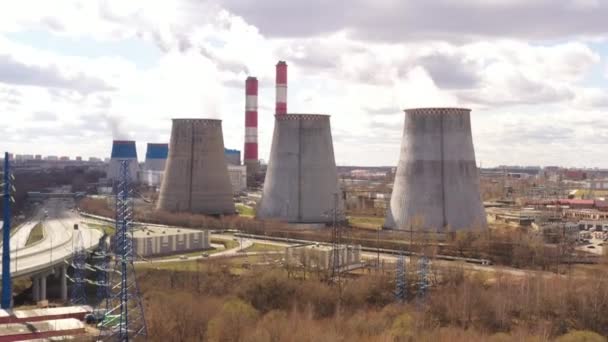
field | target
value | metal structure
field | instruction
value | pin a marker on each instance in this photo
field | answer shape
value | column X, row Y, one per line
column 301, row 178
column 423, row 277
column 400, row 280
column 102, row 257
column 78, row 294
column 437, row 183
column 124, row 317
column 123, row 150
column 336, row 264
column 196, row 177
column 7, row 284
column 281, row 92
column 251, row 129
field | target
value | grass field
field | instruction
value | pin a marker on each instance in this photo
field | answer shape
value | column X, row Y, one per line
column 228, row 244
column 36, row 234
column 244, row 210
column 259, row 247
column 108, row 229
column 366, row 222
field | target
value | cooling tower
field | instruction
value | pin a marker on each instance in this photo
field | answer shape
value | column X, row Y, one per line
column 156, row 157
column 301, row 178
column 123, row 150
column 196, row 176
column 437, row 183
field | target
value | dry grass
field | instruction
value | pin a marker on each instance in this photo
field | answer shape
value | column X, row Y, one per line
column 213, row 303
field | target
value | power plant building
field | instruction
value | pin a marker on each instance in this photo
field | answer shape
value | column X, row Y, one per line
column 233, row 157
column 165, row 241
column 437, row 184
column 301, row 179
column 123, row 150
column 196, row 176
column 156, row 157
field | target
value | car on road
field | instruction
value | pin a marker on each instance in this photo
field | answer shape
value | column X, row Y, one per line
column 183, row 257
column 205, row 255
column 592, row 247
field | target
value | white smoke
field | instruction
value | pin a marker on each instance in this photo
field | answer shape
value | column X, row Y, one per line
column 117, row 125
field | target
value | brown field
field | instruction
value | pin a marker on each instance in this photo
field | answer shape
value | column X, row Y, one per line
column 220, row 301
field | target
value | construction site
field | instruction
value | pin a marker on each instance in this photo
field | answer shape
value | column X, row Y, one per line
column 194, row 236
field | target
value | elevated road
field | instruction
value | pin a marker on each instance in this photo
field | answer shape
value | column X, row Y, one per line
column 56, row 246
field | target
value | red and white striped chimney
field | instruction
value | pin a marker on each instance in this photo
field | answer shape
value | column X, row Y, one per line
column 251, row 120
column 281, row 80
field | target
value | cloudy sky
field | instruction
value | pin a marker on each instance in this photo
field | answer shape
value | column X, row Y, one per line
column 76, row 73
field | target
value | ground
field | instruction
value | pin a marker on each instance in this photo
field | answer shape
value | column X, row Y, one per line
column 366, row 222
column 36, row 235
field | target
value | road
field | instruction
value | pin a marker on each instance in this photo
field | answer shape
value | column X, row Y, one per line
column 58, row 240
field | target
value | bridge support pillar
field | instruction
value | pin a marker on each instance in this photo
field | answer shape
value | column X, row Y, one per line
column 42, row 287
column 64, row 283
column 35, row 289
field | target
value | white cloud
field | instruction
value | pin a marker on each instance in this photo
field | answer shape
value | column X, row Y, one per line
column 361, row 74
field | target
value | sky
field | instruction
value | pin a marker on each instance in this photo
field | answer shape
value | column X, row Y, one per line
column 75, row 74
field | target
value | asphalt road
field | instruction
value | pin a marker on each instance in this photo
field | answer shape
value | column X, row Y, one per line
column 57, row 243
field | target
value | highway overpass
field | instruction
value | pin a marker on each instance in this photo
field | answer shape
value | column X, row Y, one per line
column 52, row 253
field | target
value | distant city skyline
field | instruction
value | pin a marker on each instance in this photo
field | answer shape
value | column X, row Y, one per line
column 75, row 74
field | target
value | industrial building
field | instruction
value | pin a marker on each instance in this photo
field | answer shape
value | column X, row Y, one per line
column 238, row 177
column 437, row 183
column 301, row 179
column 164, row 241
column 196, row 177
column 123, row 150
column 154, row 166
column 321, row 257
column 156, row 157
column 233, row 157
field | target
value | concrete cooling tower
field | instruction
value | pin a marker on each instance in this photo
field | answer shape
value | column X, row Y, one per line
column 301, row 178
column 196, row 176
column 437, row 182
column 123, row 150
column 156, row 157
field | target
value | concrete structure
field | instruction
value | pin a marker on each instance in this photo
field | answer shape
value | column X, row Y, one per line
column 238, row 177
column 281, row 83
column 437, row 182
column 42, row 331
column 150, row 178
column 164, row 241
column 196, row 177
column 156, row 157
column 233, row 157
column 321, row 257
column 251, row 129
column 301, row 178
column 123, row 150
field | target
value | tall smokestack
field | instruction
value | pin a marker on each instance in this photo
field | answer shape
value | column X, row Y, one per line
column 281, row 80
column 251, row 129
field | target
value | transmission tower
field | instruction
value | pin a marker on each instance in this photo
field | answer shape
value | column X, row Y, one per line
column 124, row 318
column 101, row 257
column 423, row 276
column 400, row 280
column 78, row 295
column 336, row 239
column 7, row 285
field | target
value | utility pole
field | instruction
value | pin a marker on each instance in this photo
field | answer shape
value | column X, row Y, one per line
column 7, row 285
